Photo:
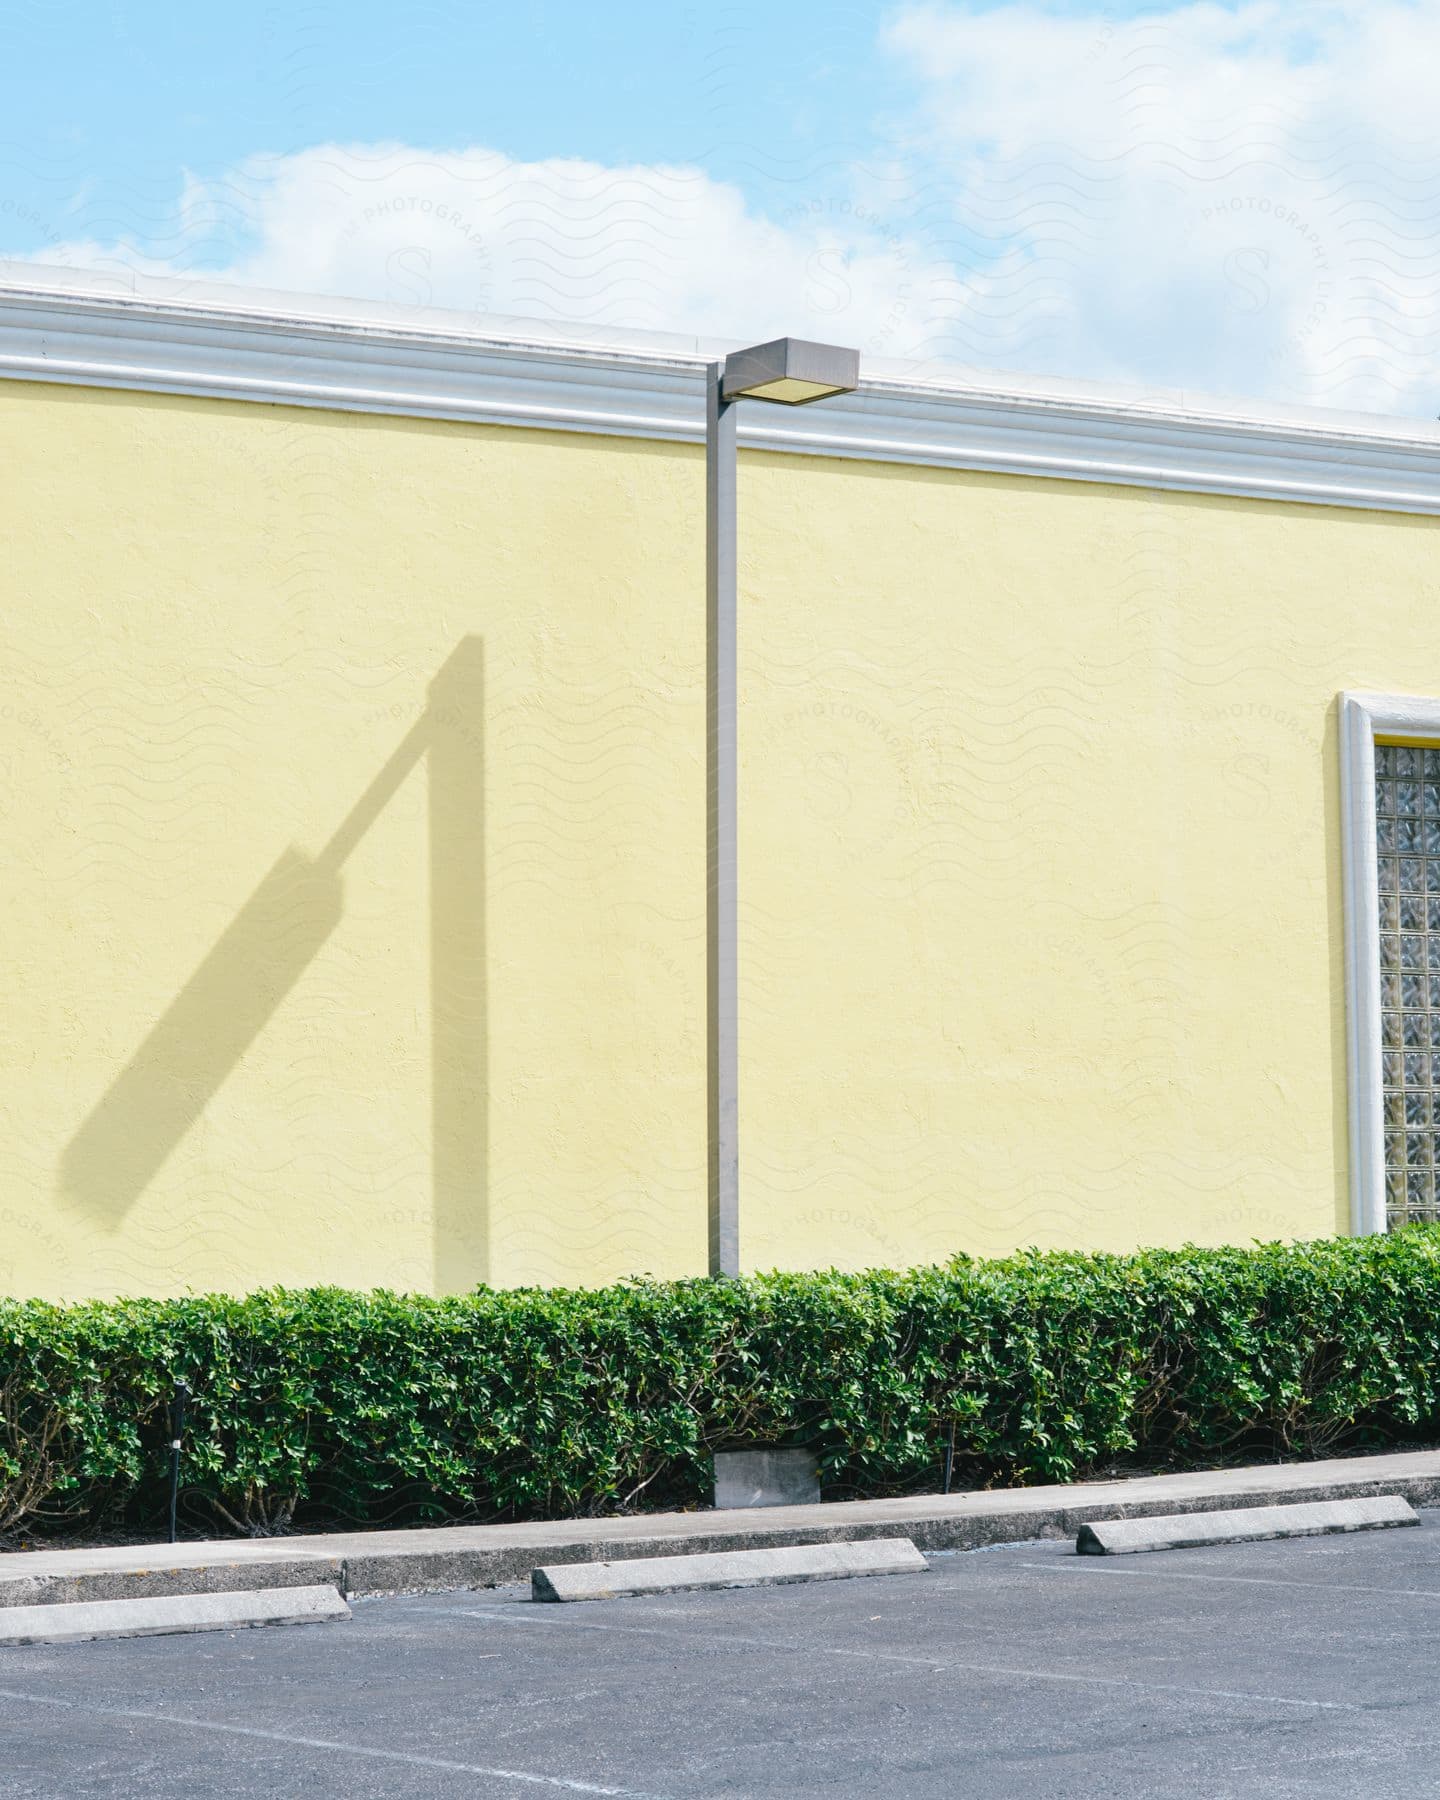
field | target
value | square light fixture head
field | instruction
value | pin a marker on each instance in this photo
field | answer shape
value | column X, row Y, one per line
column 791, row 372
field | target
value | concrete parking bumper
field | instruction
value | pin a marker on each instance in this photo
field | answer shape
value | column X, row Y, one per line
column 727, row 1569
column 85, row 1620
column 1250, row 1525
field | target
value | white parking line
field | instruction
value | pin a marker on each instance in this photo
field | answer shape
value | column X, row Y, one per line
column 1086, row 1566
column 547, row 1619
column 348, row 1749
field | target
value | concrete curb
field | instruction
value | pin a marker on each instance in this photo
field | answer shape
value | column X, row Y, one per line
column 727, row 1569
column 474, row 1556
column 87, row 1620
column 1247, row 1525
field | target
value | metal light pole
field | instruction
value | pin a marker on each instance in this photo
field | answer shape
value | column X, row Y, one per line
column 788, row 372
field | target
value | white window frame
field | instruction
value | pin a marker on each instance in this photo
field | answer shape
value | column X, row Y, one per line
column 1399, row 718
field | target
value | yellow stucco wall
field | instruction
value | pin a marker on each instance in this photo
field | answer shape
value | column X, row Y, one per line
column 352, row 786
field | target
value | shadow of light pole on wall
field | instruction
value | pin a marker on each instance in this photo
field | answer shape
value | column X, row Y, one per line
column 191, row 1050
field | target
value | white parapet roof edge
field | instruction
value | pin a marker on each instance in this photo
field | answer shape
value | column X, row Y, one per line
column 178, row 337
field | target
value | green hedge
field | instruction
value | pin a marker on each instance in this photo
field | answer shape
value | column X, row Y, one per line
column 325, row 1405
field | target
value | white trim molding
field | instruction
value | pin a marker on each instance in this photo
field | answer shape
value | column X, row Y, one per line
column 1396, row 718
column 179, row 338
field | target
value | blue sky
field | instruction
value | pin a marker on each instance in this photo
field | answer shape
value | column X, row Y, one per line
column 1229, row 198
column 148, row 91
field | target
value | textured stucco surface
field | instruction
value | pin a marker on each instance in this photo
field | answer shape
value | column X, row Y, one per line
column 353, row 799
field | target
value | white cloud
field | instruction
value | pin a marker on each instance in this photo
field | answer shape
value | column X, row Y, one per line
column 1239, row 198
column 641, row 247
column 1243, row 199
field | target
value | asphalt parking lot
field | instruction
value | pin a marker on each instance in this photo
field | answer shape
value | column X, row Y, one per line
column 1301, row 1668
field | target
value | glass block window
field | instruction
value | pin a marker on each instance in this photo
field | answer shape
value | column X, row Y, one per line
column 1407, row 833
